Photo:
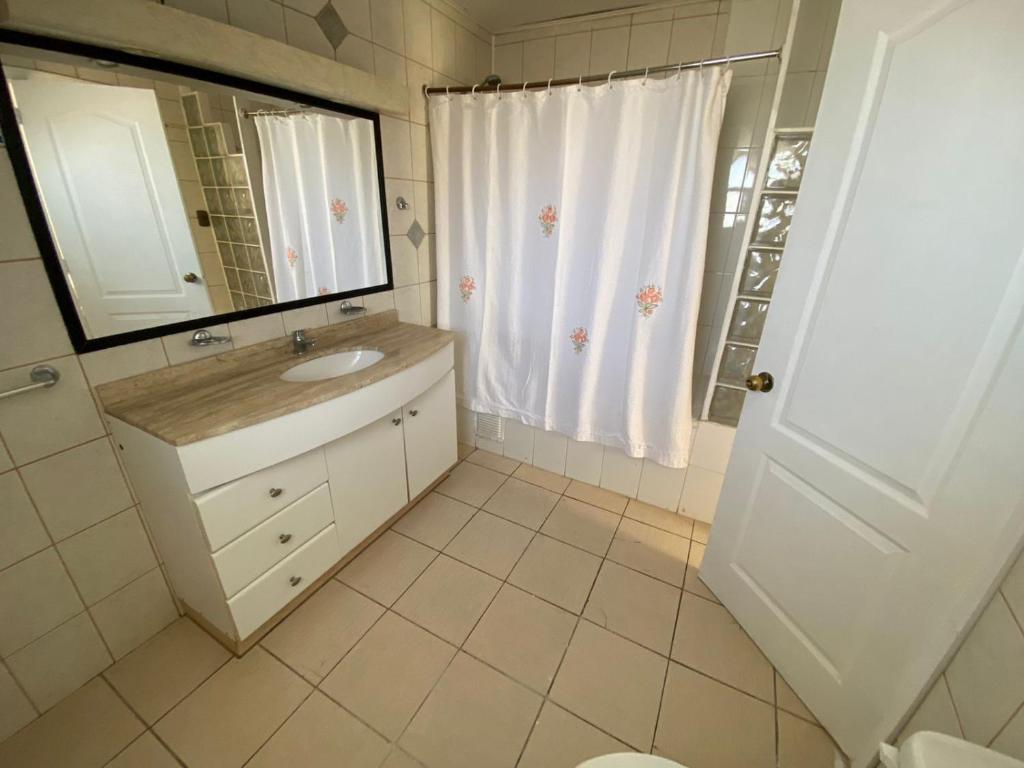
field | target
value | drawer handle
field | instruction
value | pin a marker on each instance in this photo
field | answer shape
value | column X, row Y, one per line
column 294, row 580
column 284, row 538
column 275, row 492
column 413, row 412
column 396, row 421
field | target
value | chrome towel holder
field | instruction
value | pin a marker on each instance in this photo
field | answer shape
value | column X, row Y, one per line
column 42, row 376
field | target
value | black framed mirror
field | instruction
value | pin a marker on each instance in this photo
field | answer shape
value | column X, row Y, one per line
column 165, row 197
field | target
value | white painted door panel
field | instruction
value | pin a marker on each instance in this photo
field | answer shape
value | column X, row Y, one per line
column 367, row 478
column 873, row 496
column 101, row 160
column 430, row 442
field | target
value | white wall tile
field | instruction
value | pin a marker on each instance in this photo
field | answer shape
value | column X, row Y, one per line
column 660, row 486
column 27, row 304
column 442, row 38
column 388, row 64
column 379, row 302
column 255, row 330
column 179, row 347
column 423, row 194
column 122, row 362
column 508, row 62
column 5, row 459
column 549, row 449
column 134, row 613
column 263, row 17
column 986, row 677
column 388, row 25
column 465, row 423
column 1013, row 589
column 609, row 50
column 518, row 441
column 712, row 446
column 404, row 262
column 16, row 710
column 700, row 493
column 648, row 45
column 620, row 473
column 407, row 302
column 422, row 169
column 426, row 256
column 417, row 76
column 77, row 488
column 305, row 318
column 302, row 31
column 572, row 54
column 60, row 661
column 1010, row 741
column 483, row 59
column 486, row 444
column 356, row 15
column 418, row 43
column 108, row 556
column 465, row 55
column 796, row 97
column 35, row 596
column 428, row 302
column 356, row 52
column 740, row 112
column 395, row 139
column 19, row 242
column 692, row 39
column 583, row 461
column 751, row 26
column 539, row 59
column 399, row 221
column 936, row 713
column 21, row 532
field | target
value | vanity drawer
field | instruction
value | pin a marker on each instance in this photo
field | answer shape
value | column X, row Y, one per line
column 254, row 552
column 233, row 508
column 271, row 592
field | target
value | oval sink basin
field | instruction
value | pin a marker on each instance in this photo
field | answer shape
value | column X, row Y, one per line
column 332, row 366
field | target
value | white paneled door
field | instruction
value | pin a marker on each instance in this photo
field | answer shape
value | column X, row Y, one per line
column 104, row 170
column 875, row 494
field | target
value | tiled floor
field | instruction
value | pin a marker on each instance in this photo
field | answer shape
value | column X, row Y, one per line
column 514, row 617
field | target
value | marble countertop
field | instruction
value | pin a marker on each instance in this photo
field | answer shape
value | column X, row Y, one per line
column 194, row 401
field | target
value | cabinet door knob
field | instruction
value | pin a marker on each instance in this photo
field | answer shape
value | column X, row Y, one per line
column 284, row 538
column 413, row 412
column 275, row 492
column 294, row 580
column 396, row 421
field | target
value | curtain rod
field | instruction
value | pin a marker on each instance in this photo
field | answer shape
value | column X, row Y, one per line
column 626, row 73
column 247, row 113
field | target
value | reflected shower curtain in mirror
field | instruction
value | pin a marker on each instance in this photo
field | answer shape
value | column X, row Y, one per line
column 323, row 210
column 571, row 228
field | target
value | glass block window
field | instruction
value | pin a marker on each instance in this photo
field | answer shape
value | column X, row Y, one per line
column 756, row 283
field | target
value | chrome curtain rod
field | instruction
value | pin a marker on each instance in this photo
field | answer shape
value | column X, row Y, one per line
column 626, row 73
column 247, row 113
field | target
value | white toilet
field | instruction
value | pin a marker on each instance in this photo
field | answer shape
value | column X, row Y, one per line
column 629, row 760
column 927, row 749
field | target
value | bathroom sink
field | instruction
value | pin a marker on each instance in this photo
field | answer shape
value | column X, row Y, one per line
column 332, row 366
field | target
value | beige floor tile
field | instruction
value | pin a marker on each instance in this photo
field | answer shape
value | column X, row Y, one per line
column 701, row 531
column 522, row 503
column 471, row 483
column 599, row 497
column 493, row 461
column 582, row 525
column 385, row 678
column 435, row 520
column 786, row 698
column 562, row 740
column 543, row 478
column 145, row 752
column 490, row 544
column 556, row 572
column 804, row 745
column 711, row 641
column 705, row 724
column 673, row 522
column 474, row 717
column 522, row 636
column 166, row 668
column 87, row 728
column 228, row 717
column 634, row 605
column 322, row 630
column 448, row 599
column 399, row 759
column 611, row 683
column 694, row 583
column 320, row 733
column 655, row 552
column 386, row 568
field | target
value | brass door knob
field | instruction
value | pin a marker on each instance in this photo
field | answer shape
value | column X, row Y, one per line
column 761, row 382
column 190, row 277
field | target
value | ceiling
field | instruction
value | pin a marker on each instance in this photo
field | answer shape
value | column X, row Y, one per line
column 499, row 15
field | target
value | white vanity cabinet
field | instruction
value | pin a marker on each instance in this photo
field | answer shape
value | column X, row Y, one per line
column 243, row 551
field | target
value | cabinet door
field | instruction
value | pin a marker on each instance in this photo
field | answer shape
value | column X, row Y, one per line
column 366, row 470
column 430, row 447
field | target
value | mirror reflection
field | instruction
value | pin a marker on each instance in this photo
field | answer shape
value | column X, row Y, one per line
column 170, row 199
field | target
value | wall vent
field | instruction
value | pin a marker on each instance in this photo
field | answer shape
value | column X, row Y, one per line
column 491, row 427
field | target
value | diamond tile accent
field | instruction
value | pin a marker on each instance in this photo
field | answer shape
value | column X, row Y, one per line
column 416, row 234
column 331, row 25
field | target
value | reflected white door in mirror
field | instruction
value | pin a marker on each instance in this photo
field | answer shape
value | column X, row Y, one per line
column 249, row 522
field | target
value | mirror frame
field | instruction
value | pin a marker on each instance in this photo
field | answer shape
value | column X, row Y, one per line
column 40, row 226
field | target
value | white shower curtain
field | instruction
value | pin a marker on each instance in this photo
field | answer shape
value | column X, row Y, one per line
column 571, row 227
column 323, row 204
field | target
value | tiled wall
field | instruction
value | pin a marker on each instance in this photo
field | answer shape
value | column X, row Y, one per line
column 79, row 580
column 980, row 695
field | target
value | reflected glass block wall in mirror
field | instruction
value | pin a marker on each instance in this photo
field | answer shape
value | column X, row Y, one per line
column 760, row 269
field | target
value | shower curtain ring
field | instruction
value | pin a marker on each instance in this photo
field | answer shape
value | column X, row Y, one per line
column 647, row 71
column 448, row 92
column 499, row 91
column 610, row 76
column 549, row 84
column 579, row 85
column 524, row 88
column 473, row 92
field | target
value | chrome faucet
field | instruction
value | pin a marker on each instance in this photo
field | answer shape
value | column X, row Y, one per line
column 300, row 344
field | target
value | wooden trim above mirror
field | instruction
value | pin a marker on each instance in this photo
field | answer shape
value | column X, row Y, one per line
column 157, row 31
